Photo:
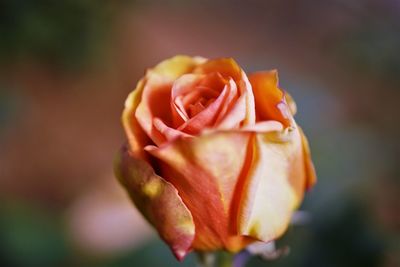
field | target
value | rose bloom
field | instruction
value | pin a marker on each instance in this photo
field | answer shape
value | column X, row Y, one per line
column 214, row 159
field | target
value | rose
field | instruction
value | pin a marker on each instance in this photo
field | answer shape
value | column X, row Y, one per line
column 214, row 159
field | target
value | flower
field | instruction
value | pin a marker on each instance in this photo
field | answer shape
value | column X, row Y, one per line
column 214, row 158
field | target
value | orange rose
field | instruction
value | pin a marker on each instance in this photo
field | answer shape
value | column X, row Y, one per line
column 214, row 158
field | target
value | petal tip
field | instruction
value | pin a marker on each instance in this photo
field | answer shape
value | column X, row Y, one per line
column 180, row 254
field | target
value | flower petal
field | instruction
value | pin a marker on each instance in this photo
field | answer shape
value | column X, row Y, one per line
column 228, row 68
column 263, row 127
column 246, row 88
column 205, row 170
column 168, row 132
column 156, row 95
column 275, row 184
column 182, row 85
column 207, row 116
column 158, row 201
column 270, row 100
column 290, row 101
column 230, row 102
column 155, row 102
column 176, row 66
column 190, row 87
column 235, row 116
column 137, row 138
column 310, row 170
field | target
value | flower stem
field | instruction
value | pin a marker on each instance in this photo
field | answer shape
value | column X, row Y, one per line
column 206, row 259
column 215, row 259
column 226, row 260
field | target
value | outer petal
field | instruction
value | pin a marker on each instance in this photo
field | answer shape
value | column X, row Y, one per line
column 270, row 100
column 137, row 138
column 158, row 201
column 205, row 170
column 155, row 103
column 176, row 66
column 311, row 176
column 227, row 67
column 275, row 184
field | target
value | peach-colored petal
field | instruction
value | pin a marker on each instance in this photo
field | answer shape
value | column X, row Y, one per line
column 137, row 138
column 310, row 170
column 274, row 186
column 207, row 116
column 228, row 68
column 205, row 170
column 156, row 95
column 290, row 101
column 169, row 133
column 230, row 101
column 187, row 83
column 242, row 111
column 181, row 86
column 270, row 100
column 259, row 127
column 263, row 127
column 246, row 88
column 155, row 103
column 235, row 116
column 158, row 201
column 176, row 66
column 188, row 89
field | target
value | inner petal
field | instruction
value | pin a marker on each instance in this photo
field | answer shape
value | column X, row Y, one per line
column 180, row 88
column 196, row 109
column 200, row 93
column 207, row 116
column 191, row 94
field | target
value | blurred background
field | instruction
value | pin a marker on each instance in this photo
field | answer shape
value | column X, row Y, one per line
column 67, row 66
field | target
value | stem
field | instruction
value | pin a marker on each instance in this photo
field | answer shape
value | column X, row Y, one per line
column 215, row 259
column 226, row 260
column 206, row 259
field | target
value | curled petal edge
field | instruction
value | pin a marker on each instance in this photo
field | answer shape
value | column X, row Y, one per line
column 157, row 200
column 137, row 138
column 309, row 166
column 279, row 175
column 272, row 102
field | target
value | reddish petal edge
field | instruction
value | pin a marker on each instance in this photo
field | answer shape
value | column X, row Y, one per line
column 157, row 200
column 270, row 100
column 309, row 166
